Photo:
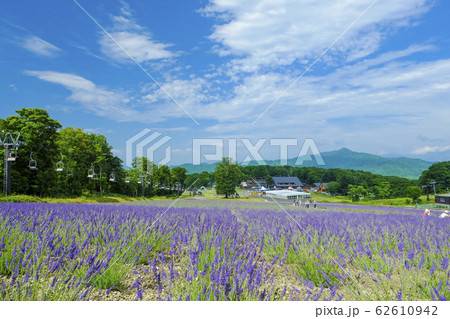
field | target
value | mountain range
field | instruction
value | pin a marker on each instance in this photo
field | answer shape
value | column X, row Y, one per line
column 346, row 159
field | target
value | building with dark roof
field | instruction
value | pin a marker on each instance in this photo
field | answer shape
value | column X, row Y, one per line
column 286, row 182
column 442, row 200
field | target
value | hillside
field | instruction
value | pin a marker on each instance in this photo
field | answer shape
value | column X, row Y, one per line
column 344, row 158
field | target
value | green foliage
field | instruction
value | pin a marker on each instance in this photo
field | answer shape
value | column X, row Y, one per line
column 356, row 192
column 178, row 175
column 228, row 177
column 414, row 192
column 382, row 190
column 79, row 151
column 39, row 133
column 440, row 173
column 333, row 187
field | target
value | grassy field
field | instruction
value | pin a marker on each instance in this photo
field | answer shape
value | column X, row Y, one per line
column 402, row 201
column 206, row 195
column 114, row 198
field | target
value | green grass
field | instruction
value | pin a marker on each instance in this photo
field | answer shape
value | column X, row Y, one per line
column 402, row 201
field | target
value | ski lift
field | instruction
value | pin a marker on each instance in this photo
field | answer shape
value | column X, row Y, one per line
column 12, row 155
column 32, row 164
column 69, row 172
column 60, row 165
column 91, row 172
column 112, row 177
column 94, row 177
column 139, row 182
column 127, row 179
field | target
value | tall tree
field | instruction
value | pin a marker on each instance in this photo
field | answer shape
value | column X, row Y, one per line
column 228, row 177
column 39, row 132
column 178, row 175
column 438, row 172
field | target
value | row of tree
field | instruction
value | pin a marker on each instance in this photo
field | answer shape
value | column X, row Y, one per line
column 79, row 154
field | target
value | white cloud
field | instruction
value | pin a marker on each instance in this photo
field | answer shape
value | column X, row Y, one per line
column 13, row 87
column 139, row 45
column 270, row 33
column 137, row 41
column 381, row 102
column 430, row 149
column 113, row 104
column 39, row 46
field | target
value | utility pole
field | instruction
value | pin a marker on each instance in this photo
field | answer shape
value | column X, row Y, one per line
column 11, row 144
column 434, row 187
column 142, row 178
column 428, row 194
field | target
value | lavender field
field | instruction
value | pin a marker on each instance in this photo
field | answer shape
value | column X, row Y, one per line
column 221, row 251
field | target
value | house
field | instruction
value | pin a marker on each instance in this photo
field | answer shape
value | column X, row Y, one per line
column 442, row 200
column 286, row 182
column 255, row 182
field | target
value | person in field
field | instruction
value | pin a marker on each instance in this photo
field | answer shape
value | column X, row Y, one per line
column 426, row 213
column 307, row 204
column 444, row 214
column 315, row 204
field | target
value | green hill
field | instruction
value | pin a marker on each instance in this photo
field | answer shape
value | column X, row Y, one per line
column 344, row 158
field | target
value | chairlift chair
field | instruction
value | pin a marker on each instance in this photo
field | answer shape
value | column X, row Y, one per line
column 94, row 177
column 60, row 165
column 112, row 177
column 69, row 172
column 12, row 155
column 32, row 164
column 127, row 179
column 91, row 172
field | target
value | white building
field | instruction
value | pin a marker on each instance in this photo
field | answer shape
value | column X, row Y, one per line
column 288, row 195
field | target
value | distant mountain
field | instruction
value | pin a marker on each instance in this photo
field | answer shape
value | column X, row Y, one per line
column 344, row 158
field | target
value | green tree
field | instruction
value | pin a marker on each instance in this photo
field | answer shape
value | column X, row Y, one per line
column 80, row 152
column 382, row 190
column 178, row 175
column 39, row 132
column 438, row 172
column 228, row 177
column 333, row 187
column 163, row 176
column 356, row 191
column 414, row 192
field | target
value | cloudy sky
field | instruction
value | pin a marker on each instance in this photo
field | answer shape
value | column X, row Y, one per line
column 372, row 76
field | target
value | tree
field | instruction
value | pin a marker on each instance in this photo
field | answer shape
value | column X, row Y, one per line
column 178, row 175
column 383, row 189
column 414, row 192
column 80, row 151
column 356, row 192
column 438, row 172
column 333, row 187
column 162, row 176
column 39, row 132
column 228, row 177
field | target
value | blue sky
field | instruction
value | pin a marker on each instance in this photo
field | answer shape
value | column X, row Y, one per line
column 382, row 88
